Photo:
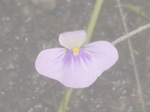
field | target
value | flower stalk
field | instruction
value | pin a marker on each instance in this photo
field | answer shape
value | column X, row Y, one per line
column 93, row 20
column 65, row 100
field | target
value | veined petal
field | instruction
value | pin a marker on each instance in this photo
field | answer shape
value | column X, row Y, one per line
column 79, row 71
column 102, row 53
column 49, row 62
column 75, row 71
column 72, row 39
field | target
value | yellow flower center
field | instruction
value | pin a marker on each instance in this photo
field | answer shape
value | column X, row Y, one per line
column 75, row 50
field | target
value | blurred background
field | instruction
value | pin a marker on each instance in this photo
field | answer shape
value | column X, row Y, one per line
column 29, row 26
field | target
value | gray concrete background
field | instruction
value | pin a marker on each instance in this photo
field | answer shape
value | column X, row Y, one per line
column 28, row 26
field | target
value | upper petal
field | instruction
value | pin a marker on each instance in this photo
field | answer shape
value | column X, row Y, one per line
column 48, row 62
column 102, row 53
column 72, row 39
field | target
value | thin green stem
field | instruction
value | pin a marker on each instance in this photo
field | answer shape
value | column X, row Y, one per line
column 93, row 20
column 65, row 100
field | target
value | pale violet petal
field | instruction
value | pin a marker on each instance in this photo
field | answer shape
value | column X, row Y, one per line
column 49, row 62
column 75, row 71
column 72, row 39
column 102, row 53
column 79, row 71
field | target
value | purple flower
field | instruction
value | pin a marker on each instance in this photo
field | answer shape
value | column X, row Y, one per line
column 75, row 66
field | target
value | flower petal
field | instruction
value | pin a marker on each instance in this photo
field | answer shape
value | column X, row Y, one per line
column 75, row 71
column 79, row 71
column 48, row 62
column 102, row 53
column 72, row 39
